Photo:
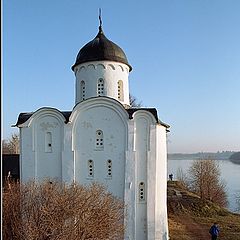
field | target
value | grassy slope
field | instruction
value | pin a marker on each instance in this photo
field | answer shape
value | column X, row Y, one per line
column 191, row 217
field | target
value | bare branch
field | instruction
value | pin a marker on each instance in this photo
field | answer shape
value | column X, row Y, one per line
column 204, row 179
column 60, row 211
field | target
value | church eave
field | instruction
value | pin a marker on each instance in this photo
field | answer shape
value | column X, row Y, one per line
column 153, row 111
column 23, row 117
column 164, row 124
column 102, row 59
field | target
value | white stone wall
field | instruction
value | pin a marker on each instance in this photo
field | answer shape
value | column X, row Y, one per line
column 48, row 137
column 161, row 231
column 88, row 118
column 141, row 147
column 146, row 162
column 130, row 188
column 136, row 148
column 68, row 166
column 41, row 145
column 27, row 156
column 110, row 72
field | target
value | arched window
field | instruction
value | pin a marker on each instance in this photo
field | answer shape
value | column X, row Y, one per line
column 120, row 90
column 142, row 193
column 48, row 142
column 100, row 87
column 109, row 168
column 90, row 168
column 99, row 144
column 83, row 93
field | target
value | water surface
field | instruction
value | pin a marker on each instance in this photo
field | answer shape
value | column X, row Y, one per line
column 230, row 173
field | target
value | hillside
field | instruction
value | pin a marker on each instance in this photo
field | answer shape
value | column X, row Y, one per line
column 191, row 217
column 235, row 158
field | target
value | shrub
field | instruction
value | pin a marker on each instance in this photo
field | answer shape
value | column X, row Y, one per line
column 51, row 210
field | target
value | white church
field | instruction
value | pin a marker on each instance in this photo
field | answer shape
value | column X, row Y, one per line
column 103, row 139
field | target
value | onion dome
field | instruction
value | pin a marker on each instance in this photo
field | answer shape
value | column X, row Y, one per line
column 101, row 48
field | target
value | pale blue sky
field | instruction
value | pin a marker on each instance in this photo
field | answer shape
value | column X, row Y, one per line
column 185, row 56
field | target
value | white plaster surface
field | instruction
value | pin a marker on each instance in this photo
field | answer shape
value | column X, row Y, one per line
column 110, row 72
column 136, row 148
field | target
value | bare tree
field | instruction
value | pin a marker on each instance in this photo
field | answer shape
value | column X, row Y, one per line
column 11, row 145
column 204, row 179
column 5, row 149
column 134, row 103
column 51, row 210
column 182, row 177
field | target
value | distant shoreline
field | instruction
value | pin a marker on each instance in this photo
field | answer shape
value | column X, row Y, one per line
column 225, row 155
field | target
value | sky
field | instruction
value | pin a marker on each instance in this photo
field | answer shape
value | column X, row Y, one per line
column 185, row 56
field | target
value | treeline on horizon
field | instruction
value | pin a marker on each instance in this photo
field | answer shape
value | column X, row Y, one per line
column 224, row 155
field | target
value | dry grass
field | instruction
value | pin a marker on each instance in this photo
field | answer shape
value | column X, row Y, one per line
column 190, row 217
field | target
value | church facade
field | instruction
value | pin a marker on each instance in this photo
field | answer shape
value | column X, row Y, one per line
column 103, row 139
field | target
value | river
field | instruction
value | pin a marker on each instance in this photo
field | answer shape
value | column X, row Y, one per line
column 230, row 173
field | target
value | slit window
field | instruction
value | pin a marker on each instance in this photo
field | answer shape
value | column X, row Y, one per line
column 90, row 168
column 142, row 193
column 83, row 90
column 99, row 143
column 48, row 142
column 120, row 90
column 100, row 87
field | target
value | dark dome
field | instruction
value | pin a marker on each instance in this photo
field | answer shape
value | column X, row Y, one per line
column 100, row 48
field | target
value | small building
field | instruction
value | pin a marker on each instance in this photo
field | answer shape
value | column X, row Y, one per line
column 103, row 139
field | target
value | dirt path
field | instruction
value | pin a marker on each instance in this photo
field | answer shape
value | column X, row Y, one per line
column 196, row 230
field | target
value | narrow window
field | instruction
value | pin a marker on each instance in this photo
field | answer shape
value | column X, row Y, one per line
column 48, row 142
column 99, row 144
column 100, row 87
column 120, row 90
column 83, row 93
column 90, row 168
column 141, row 191
column 109, row 168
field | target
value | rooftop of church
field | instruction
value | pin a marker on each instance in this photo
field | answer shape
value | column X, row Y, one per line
column 23, row 117
column 99, row 49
